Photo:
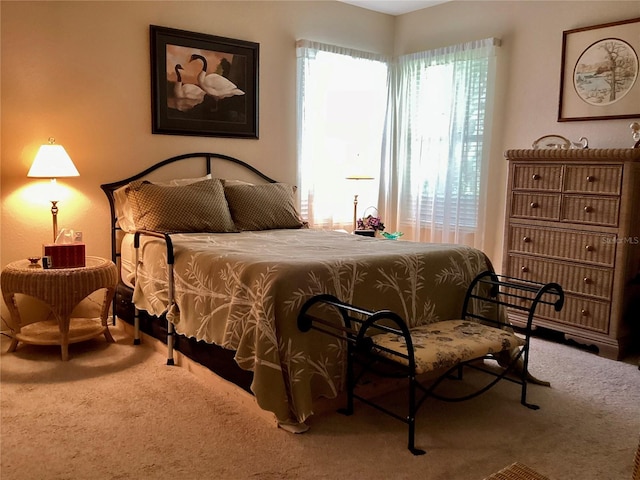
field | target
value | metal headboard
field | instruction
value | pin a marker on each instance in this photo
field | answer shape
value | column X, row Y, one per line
column 206, row 158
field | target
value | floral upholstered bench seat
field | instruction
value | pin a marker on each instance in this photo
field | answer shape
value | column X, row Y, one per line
column 446, row 344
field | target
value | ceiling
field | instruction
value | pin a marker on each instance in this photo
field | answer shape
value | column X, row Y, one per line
column 394, row 7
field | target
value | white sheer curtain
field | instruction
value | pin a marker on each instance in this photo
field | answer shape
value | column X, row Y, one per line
column 434, row 175
column 342, row 96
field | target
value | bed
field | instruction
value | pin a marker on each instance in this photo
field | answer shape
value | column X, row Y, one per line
column 243, row 263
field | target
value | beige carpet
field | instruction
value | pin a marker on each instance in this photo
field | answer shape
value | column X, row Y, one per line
column 116, row 411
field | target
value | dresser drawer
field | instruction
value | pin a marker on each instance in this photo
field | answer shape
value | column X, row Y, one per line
column 602, row 179
column 592, row 210
column 536, row 205
column 537, row 177
column 574, row 278
column 565, row 244
column 578, row 312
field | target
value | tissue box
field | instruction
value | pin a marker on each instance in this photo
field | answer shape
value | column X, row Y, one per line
column 66, row 255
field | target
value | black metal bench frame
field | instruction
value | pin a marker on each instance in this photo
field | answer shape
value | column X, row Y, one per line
column 359, row 324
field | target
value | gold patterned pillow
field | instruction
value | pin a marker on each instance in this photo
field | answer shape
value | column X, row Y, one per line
column 124, row 214
column 197, row 207
column 263, row 207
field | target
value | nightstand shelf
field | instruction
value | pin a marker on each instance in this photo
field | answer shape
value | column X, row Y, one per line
column 48, row 332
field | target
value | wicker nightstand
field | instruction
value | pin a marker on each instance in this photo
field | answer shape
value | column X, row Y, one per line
column 61, row 290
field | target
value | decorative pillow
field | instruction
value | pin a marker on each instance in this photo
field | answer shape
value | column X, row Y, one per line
column 226, row 181
column 263, row 207
column 197, row 207
column 123, row 208
column 181, row 182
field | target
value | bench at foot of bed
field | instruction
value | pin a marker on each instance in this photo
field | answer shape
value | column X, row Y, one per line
column 383, row 338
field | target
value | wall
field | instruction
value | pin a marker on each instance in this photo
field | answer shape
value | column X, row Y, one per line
column 528, row 83
column 79, row 71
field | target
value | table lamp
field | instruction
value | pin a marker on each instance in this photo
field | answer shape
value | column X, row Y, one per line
column 52, row 161
column 355, row 197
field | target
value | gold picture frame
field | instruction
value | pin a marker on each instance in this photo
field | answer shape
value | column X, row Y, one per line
column 600, row 72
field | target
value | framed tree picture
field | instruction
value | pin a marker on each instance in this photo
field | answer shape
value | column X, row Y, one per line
column 203, row 85
column 600, row 72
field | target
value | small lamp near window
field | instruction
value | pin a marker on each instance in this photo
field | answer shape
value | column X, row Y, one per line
column 52, row 161
column 355, row 197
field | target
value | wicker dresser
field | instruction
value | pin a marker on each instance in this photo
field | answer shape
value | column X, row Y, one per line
column 573, row 217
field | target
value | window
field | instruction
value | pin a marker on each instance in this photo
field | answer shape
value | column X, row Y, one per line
column 442, row 107
column 420, row 125
column 342, row 95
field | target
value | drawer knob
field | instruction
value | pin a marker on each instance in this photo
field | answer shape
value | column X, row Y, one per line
column 526, row 239
column 535, row 176
column 587, row 281
column 584, row 312
column 524, row 269
column 589, row 248
column 534, row 205
column 591, row 178
column 588, row 209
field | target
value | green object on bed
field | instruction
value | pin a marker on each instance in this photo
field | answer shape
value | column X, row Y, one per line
column 392, row 236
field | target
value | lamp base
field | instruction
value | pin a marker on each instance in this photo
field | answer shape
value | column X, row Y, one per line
column 54, row 215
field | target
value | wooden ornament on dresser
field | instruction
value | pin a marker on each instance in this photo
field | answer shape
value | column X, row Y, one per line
column 573, row 217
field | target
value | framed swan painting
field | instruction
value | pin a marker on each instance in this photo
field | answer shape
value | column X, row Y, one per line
column 203, row 85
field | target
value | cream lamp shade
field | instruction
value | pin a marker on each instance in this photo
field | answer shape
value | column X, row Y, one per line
column 52, row 161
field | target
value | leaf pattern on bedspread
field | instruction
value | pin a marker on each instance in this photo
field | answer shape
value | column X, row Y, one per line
column 461, row 267
column 244, row 291
column 406, row 282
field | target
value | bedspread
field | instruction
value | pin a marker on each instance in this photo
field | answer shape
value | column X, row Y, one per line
column 243, row 292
